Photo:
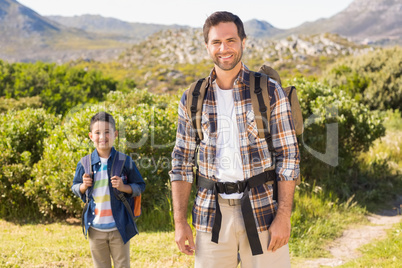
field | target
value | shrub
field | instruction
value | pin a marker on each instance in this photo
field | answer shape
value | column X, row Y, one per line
column 337, row 129
column 146, row 125
column 375, row 78
column 20, row 104
column 147, row 128
column 21, row 145
column 60, row 87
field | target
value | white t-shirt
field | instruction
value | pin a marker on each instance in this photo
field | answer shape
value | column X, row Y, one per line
column 229, row 167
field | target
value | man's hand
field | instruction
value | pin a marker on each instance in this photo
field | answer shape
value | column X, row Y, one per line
column 183, row 233
column 279, row 232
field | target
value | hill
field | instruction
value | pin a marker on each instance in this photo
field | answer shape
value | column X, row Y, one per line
column 261, row 29
column 27, row 36
column 165, row 61
column 367, row 21
column 111, row 27
column 181, row 46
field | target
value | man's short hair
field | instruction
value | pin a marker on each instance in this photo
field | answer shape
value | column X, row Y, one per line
column 103, row 117
column 223, row 16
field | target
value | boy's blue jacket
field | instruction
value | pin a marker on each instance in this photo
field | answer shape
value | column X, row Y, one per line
column 124, row 223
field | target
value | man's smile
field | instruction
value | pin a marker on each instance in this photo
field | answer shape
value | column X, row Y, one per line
column 226, row 57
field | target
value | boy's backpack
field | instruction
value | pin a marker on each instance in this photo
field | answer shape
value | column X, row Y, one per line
column 260, row 100
column 116, row 170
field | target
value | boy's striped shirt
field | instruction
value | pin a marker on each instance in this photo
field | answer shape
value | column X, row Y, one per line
column 103, row 220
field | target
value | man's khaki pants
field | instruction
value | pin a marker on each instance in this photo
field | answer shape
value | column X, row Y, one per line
column 108, row 244
column 233, row 244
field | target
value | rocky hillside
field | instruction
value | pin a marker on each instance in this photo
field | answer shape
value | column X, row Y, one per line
column 165, row 61
column 367, row 21
column 182, row 46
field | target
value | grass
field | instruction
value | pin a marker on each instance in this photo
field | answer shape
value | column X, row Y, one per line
column 318, row 218
column 54, row 245
column 386, row 252
column 381, row 253
column 389, row 148
column 63, row 245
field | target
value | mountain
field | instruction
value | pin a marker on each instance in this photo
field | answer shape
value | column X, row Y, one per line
column 133, row 31
column 112, row 28
column 366, row 21
column 27, row 36
column 261, row 29
column 19, row 21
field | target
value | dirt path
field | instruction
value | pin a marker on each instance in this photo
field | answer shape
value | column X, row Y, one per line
column 345, row 248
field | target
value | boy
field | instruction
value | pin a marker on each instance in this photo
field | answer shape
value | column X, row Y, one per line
column 106, row 219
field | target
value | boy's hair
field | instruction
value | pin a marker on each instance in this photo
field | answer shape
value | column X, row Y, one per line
column 223, row 16
column 103, row 117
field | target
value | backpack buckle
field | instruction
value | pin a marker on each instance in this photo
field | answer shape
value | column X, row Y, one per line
column 230, row 187
column 233, row 187
column 257, row 89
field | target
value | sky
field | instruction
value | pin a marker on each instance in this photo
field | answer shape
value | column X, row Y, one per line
column 281, row 14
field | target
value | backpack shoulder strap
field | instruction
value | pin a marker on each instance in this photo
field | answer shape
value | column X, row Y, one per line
column 86, row 163
column 117, row 169
column 296, row 109
column 195, row 99
column 265, row 69
column 261, row 104
column 118, row 164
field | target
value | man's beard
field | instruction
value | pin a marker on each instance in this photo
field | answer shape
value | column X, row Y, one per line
column 236, row 60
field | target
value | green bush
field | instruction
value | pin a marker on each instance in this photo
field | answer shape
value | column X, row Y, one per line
column 354, row 129
column 147, row 128
column 60, row 87
column 52, row 176
column 21, row 145
column 374, row 78
column 20, row 104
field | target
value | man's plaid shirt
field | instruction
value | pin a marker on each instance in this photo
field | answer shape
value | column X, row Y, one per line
column 254, row 151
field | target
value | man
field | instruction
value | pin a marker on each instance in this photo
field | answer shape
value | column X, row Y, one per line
column 245, row 222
